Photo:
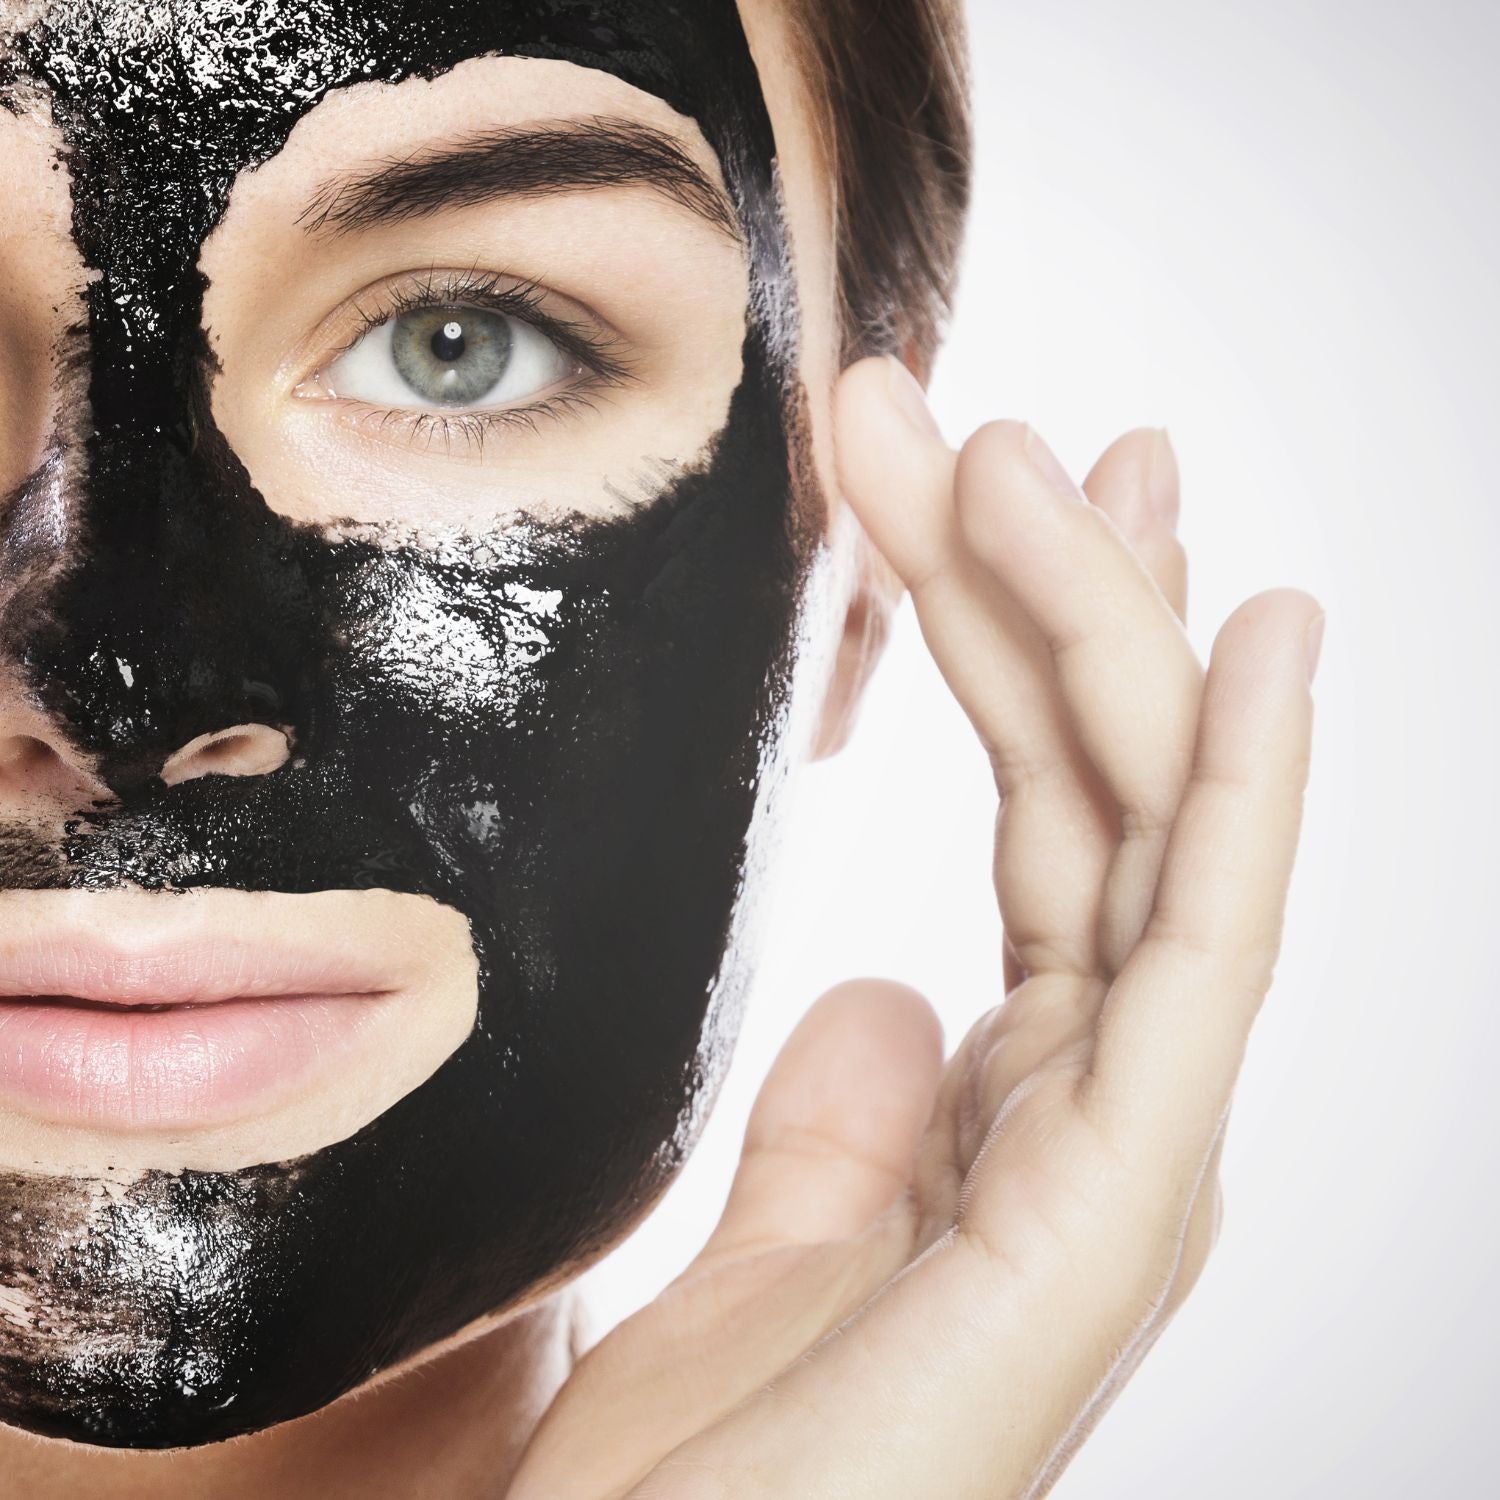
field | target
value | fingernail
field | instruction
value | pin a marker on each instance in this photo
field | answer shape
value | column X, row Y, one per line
column 1163, row 482
column 911, row 400
column 1314, row 645
column 1044, row 461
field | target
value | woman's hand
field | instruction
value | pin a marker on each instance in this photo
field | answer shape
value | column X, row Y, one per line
column 929, row 1280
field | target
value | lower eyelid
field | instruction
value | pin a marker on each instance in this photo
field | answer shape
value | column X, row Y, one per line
column 425, row 428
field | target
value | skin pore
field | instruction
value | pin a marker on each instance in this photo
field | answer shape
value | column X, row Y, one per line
column 533, row 670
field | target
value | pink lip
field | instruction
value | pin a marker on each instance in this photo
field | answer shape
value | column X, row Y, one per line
column 182, row 1034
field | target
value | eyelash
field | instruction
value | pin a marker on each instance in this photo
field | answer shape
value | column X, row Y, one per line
column 601, row 365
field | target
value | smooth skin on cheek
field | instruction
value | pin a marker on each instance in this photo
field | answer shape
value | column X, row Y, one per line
column 563, row 730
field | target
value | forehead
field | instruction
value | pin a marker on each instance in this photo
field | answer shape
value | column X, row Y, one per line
column 160, row 106
column 205, row 88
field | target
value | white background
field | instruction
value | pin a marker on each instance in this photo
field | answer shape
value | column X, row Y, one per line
column 1275, row 229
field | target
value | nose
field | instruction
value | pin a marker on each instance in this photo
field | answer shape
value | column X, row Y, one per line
column 38, row 763
column 242, row 750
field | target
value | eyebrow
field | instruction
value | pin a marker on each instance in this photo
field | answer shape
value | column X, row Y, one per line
column 519, row 162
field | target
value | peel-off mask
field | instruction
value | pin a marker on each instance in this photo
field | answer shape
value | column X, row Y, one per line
column 561, row 727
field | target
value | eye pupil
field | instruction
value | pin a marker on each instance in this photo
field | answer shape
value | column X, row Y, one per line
column 448, row 342
column 452, row 356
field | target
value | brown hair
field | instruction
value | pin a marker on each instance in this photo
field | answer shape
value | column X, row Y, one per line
column 891, row 79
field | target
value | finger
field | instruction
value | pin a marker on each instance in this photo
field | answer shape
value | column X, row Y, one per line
column 1137, row 485
column 1126, row 670
column 1173, row 1028
column 1061, row 649
column 903, row 482
column 895, row 469
column 834, row 1133
column 1058, row 831
column 1046, row 1018
column 1124, row 667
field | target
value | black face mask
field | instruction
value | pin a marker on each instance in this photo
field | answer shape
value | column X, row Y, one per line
column 583, row 797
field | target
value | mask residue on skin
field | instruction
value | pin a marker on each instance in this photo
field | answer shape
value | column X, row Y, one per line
column 564, row 729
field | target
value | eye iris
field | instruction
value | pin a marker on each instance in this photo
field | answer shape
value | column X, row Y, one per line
column 451, row 356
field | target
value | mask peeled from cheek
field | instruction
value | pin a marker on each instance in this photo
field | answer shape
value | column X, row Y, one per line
column 563, row 729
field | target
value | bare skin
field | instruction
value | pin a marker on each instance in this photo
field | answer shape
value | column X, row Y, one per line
column 930, row 1277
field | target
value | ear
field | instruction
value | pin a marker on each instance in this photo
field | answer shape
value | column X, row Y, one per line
column 867, row 626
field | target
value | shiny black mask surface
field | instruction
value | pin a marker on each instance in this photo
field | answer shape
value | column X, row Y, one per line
column 578, row 783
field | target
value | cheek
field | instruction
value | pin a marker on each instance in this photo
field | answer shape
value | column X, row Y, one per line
column 457, row 646
column 583, row 693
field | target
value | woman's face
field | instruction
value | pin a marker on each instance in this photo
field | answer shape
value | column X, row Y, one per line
column 408, row 524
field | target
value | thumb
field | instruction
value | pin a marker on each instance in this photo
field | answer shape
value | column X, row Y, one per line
column 834, row 1132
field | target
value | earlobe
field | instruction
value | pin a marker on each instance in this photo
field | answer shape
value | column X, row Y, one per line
column 866, row 628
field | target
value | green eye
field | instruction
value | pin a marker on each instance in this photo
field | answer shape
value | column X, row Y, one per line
column 450, row 358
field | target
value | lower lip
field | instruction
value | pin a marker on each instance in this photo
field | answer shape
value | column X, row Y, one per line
column 112, row 1068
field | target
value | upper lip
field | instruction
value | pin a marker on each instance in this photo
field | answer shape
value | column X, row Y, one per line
column 76, row 964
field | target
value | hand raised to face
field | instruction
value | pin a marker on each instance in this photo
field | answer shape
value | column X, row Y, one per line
column 930, row 1278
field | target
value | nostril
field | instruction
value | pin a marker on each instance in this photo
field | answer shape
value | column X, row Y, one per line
column 244, row 750
column 21, row 754
column 31, row 766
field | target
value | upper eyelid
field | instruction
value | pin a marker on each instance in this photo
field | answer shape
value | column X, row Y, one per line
column 526, row 161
